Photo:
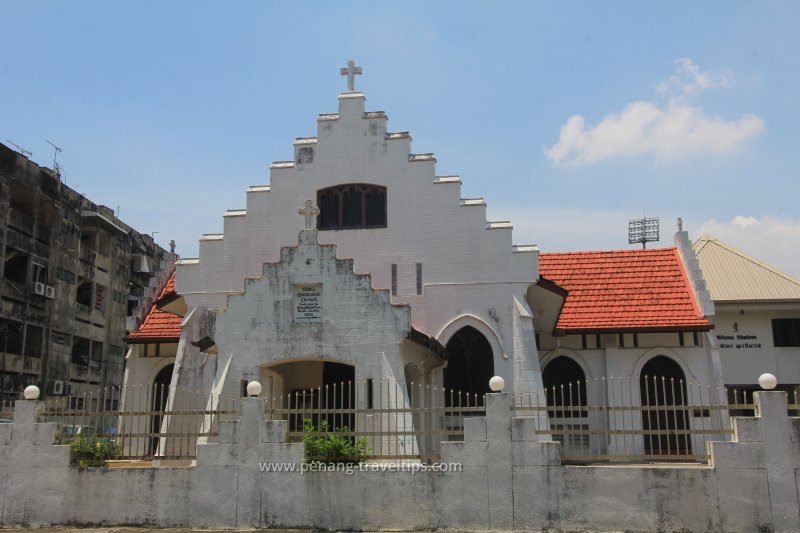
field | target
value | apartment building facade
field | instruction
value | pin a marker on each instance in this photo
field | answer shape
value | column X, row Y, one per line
column 74, row 279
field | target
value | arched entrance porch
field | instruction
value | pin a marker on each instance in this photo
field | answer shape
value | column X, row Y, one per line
column 314, row 389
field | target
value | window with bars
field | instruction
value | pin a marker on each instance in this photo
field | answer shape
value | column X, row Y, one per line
column 352, row 206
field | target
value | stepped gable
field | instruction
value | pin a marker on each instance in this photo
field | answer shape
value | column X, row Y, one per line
column 159, row 325
column 426, row 221
column 622, row 291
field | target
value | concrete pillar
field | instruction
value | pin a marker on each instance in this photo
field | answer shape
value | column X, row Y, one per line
column 25, row 447
column 234, row 462
column 499, row 463
column 781, row 441
column 765, row 446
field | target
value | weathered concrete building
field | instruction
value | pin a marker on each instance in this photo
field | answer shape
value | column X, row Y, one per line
column 73, row 280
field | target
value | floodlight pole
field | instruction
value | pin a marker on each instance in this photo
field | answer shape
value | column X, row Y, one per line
column 641, row 230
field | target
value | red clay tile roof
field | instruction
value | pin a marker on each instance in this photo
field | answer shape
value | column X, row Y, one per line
column 159, row 325
column 622, row 290
column 169, row 287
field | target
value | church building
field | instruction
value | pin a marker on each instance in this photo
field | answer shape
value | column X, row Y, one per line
column 357, row 262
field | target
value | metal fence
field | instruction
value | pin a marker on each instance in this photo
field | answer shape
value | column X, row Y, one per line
column 397, row 421
column 741, row 403
column 625, row 419
column 638, row 419
column 147, row 421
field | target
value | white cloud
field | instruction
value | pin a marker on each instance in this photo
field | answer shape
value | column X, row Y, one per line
column 688, row 80
column 774, row 240
column 666, row 132
column 743, row 222
column 645, row 129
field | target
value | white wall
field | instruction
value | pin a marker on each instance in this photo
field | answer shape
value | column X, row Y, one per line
column 507, row 480
column 745, row 359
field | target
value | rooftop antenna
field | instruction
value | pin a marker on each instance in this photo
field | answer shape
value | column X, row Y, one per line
column 643, row 230
column 23, row 151
column 56, row 168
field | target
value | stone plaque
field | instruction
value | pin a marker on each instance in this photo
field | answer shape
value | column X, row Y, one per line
column 308, row 303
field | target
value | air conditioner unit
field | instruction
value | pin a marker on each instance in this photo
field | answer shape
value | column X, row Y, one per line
column 70, row 389
column 49, row 292
column 38, row 288
column 55, row 387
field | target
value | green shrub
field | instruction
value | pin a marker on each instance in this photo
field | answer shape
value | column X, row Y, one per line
column 332, row 447
column 91, row 450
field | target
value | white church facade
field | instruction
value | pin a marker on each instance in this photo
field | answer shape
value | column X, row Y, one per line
column 389, row 274
column 460, row 277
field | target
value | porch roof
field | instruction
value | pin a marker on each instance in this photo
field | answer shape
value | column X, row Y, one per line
column 158, row 325
column 640, row 290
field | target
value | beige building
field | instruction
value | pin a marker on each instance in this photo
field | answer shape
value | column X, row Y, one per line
column 757, row 317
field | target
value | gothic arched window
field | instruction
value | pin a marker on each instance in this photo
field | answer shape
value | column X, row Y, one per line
column 352, row 206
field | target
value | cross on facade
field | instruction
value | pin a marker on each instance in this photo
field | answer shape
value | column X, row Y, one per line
column 309, row 211
column 351, row 72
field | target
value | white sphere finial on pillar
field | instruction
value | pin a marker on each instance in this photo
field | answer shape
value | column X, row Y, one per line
column 497, row 384
column 31, row 392
column 253, row 388
column 767, row 381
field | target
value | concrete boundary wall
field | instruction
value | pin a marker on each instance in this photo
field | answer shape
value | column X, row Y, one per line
column 508, row 481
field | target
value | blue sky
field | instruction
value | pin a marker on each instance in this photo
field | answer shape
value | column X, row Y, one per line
column 568, row 117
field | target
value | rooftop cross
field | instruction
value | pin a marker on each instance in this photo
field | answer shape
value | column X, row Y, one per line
column 309, row 211
column 351, row 72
